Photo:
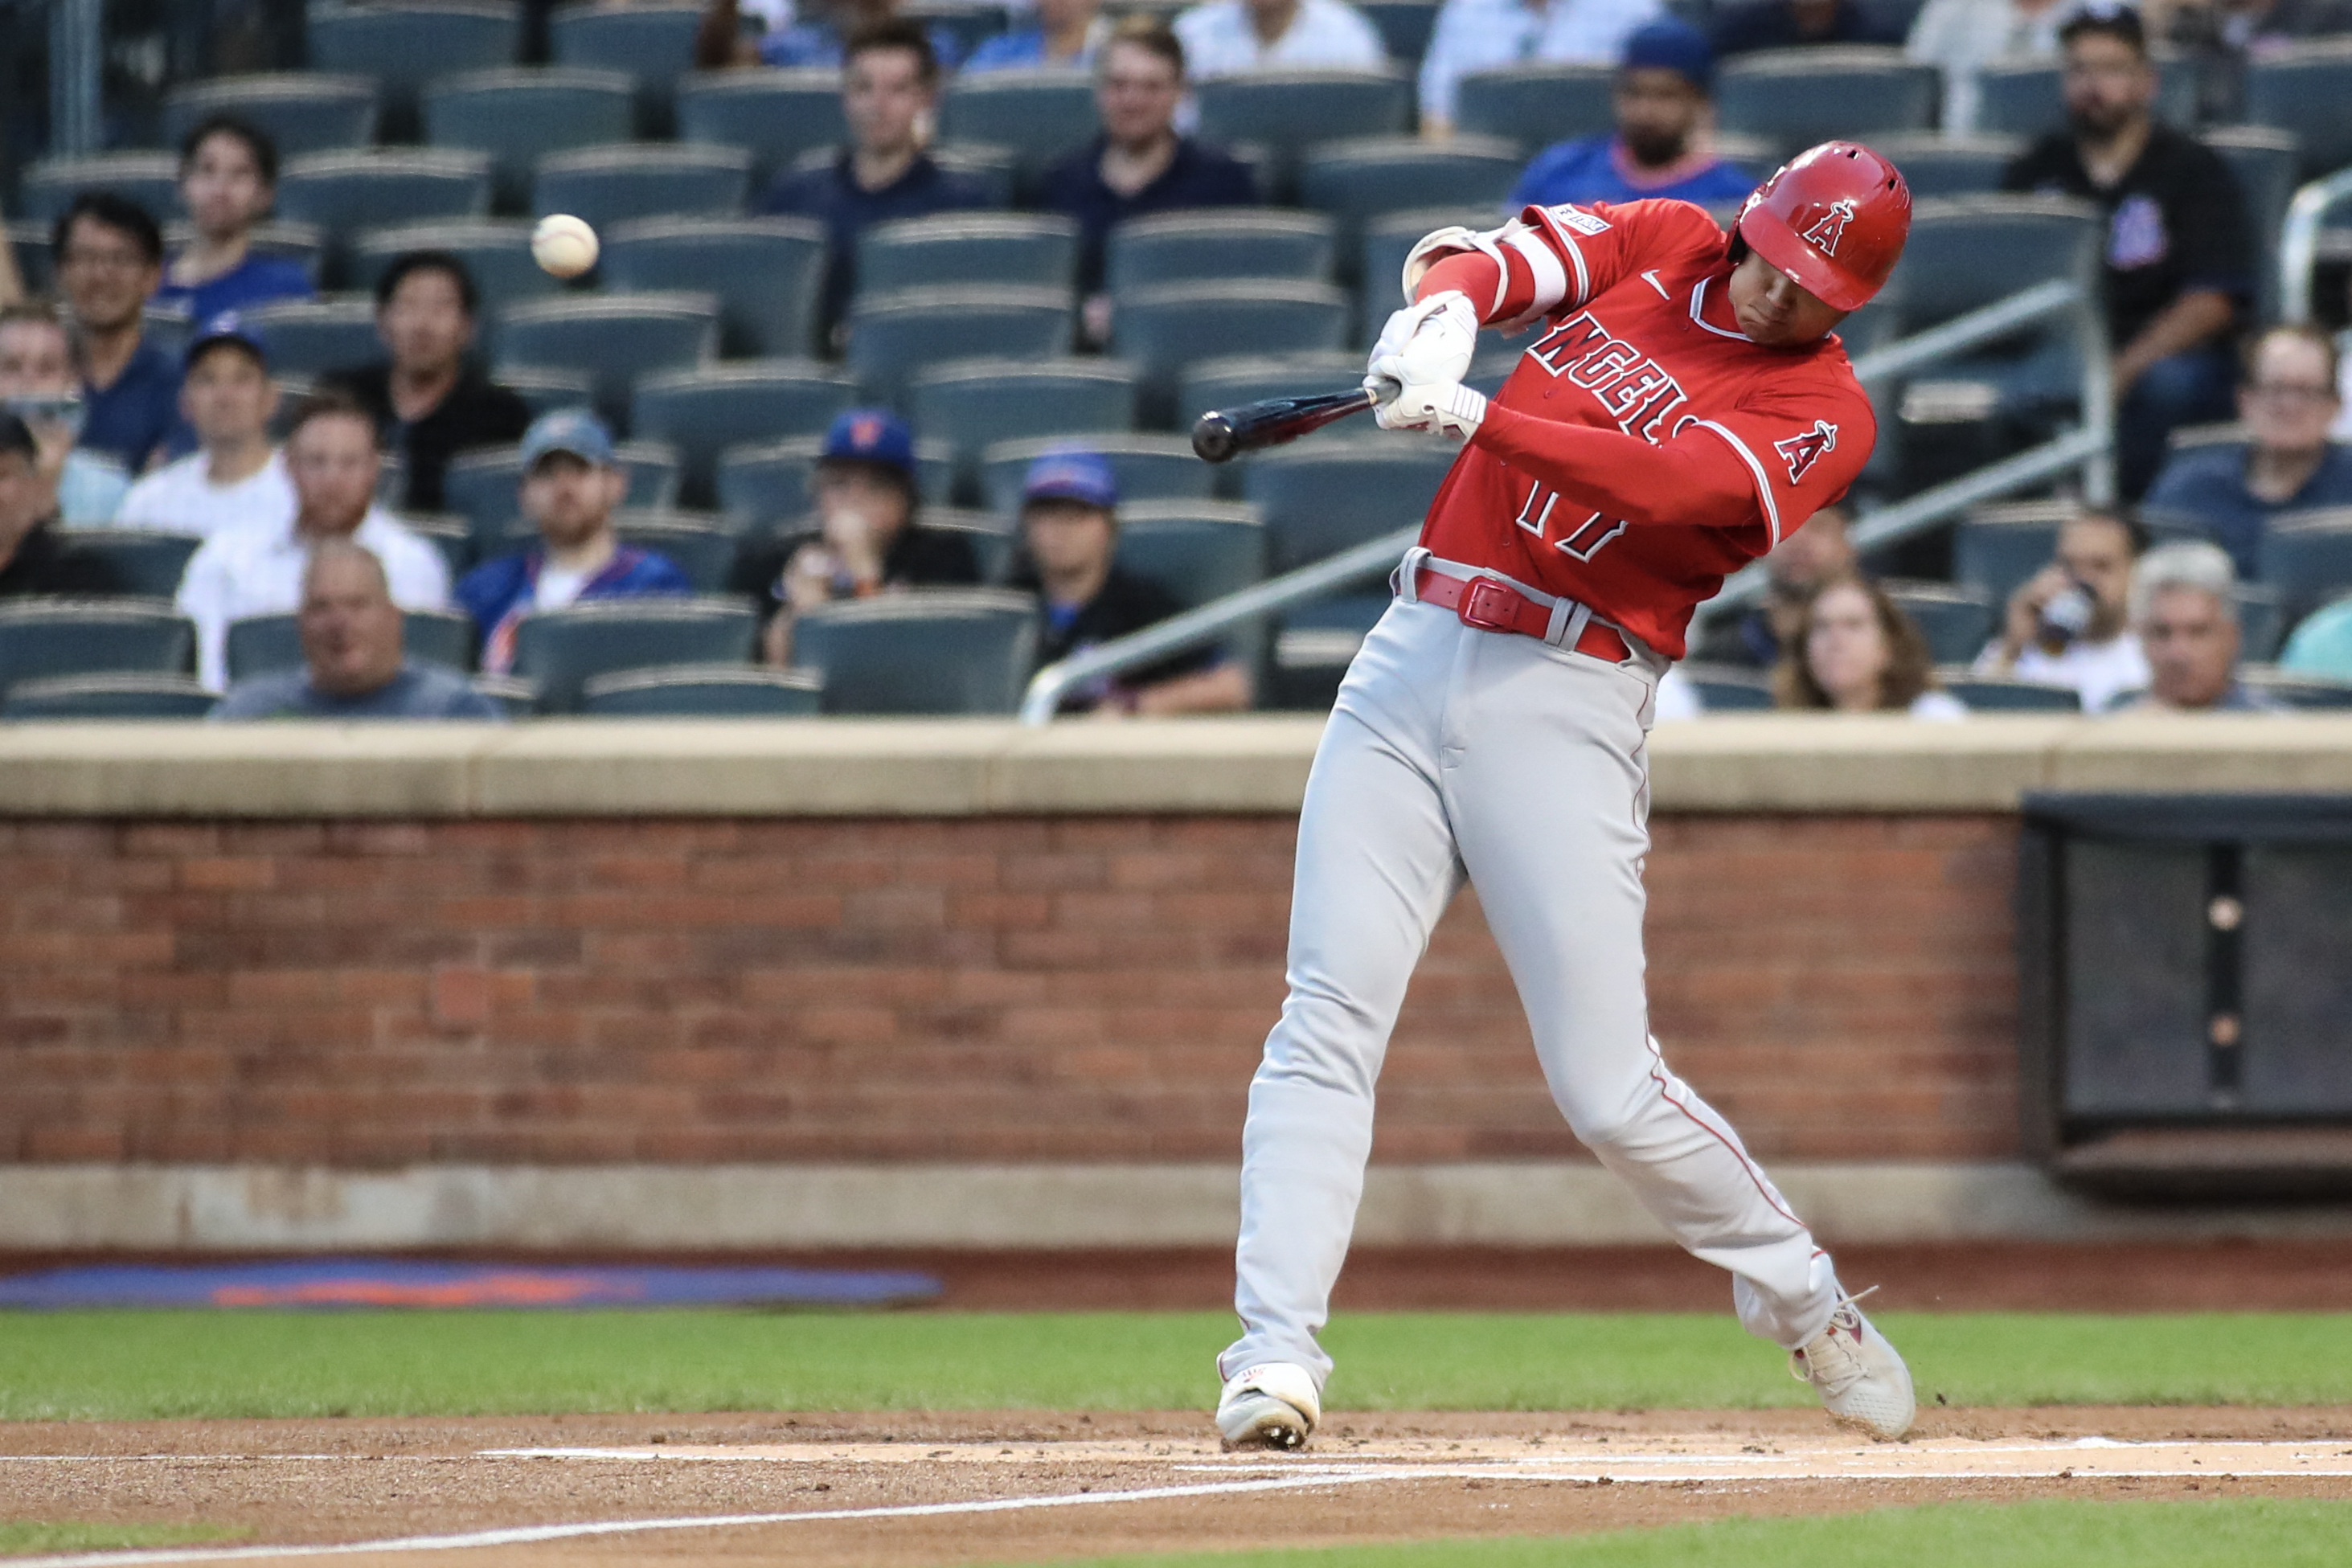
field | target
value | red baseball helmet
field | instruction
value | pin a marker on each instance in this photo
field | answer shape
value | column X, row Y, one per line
column 1834, row 218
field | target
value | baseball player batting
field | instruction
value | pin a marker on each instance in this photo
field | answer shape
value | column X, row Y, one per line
column 1684, row 409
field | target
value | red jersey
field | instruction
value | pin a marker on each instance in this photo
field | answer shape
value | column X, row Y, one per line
column 1640, row 338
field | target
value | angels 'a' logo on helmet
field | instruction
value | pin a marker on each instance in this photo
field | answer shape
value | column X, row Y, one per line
column 1800, row 452
column 1830, row 228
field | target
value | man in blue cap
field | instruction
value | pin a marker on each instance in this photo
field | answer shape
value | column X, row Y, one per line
column 235, row 477
column 865, row 538
column 1664, row 106
column 1069, row 528
column 571, row 485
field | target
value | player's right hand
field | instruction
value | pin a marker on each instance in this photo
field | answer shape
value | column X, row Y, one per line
column 1426, row 343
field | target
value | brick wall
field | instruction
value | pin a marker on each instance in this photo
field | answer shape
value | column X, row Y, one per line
column 973, row 989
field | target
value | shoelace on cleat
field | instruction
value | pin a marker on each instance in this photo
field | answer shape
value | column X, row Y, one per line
column 1846, row 1369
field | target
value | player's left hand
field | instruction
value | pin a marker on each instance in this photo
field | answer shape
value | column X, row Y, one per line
column 1429, row 341
column 1441, row 408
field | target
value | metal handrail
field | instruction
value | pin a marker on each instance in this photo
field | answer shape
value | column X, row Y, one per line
column 2085, row 448
column 2299, row 241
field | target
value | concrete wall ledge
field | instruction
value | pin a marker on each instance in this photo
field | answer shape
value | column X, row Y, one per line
column 974, row 767
column 654, row 1207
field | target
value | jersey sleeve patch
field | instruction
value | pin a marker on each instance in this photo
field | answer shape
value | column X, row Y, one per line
column 1579, row 220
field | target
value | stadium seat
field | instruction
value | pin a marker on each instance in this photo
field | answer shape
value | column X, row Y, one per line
column 485, row 488
column 1312, row 651
column 343, row 193
column 2298, row 691
column 497, row 254
column 962, row 247
column 2305, row 89
column 1287, row 111
column 448, row 533
column 1729, row 688
column 1795, row 98
column 653, row 44
column 969, row 23
column 970, row 404
column 894, row 336
column 546, row 390
column 643, row 180
column 616, row 338
column 2306, row 557
column 404, row 44
column 1405, row 24
column 151, row 181
column 260, row 643
column 1219, row 246
column 995, row 168
column 1320, row 499
column 125, row 696
column 309, row 338
column 299, row 112
column 1147, row 468
column 560, row 650
column 767, row 273
column 28, row 242
column 1949, row 165
column 42, row 637
column 145, row 562
column 1535, row 106
column 775, row 115
column 1039, row 115
column 1954, row 618
column 704, row 411
column 1196, row 551
column 929, row 650
column 2024, row 95
column 1972, row 251
column 520, row 114
column 1988, row 694
column 2264, row 161
column 993, row 537
column 1378, row 262
column 763, row 487
column 1164, row 328
column 1997, row 547
column 2261, row 622
column 704, row 691
column 1368, row 177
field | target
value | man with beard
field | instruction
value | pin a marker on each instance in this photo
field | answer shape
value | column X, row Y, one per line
column 2178, row 267
column 1664, row 113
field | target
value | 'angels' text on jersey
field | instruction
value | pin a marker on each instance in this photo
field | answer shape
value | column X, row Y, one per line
column 1633, row 389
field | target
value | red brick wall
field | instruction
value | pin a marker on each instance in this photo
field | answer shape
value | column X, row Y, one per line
column 982, row 989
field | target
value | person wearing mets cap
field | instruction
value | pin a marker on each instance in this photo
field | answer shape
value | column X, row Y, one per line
column 1683, row 406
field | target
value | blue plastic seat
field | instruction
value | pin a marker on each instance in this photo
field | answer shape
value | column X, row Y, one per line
column 1949, row 165
column 260, row 643
column 2306, row 558
column 1219, row 246
column 311, row 338
column 1995, row 548
column 1361, row 179
column 1404, row 26
column 1038, row 115
column 956, row 248
column 1955, row 618
column 616, row 338
column 892, row 337
column 930, row 651
column 1970, row 252
column 704, row 411
column 775, row 115
column 299, row 112
column 2266, row 162
column 1535, row 105
column 653, row 44
column 643, row 180
column 150, row 181
column 125, row 696
column 704, row 691
column 485, row 488
column 41, row 637
column 1147, row 467
column 343, row 193
column 1984, row 693
column 145, row 561
column 520, row 114
column 2305, row 89
column 767, row 273
column 544, row 389
column 404, row 44
column 1288, row 111
column 1724, row 688
column 497, row 254
column 972, row 403
column 1320, row 499
column 1795, row 98
column 1166, row 327
column 1197, row 551
column 2025, row 96
column 561, row 650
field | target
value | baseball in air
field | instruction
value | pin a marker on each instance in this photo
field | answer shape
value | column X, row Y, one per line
column 563, row 245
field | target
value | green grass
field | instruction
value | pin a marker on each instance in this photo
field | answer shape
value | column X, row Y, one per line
column 128, row 1366
column 2223, row 1534
column 22, row 1537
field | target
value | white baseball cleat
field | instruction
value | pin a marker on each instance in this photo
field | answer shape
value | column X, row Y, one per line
column 1271, row 1405
column 1859, row 1376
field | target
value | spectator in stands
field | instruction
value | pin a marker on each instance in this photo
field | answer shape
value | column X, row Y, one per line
column 39, row 384
column 819, row 34
column 1663, row 109
column 889, row 95
column 257, row 569
column 429, row 400
column 2069, row 625
column 1794, row 24
column 109, row 257
column 354, row 664
column 228, row 181
column 1068, row 34
column 2178, row 258
column 1860, row 653
column 33, row 558
column 1069, row 530
column 235, row 477
column 2184, row 607
column 1962, row 36
column 866, row 541
column 1488, row 35
column 2224, row 36
column 1138, row 165
column 572, row 484
column 2232, row 489
column 1817, row 553
column 1235, row 38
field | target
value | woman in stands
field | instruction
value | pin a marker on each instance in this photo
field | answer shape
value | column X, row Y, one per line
column 1860, row 653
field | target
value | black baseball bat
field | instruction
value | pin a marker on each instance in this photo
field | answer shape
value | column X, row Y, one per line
column 1220, row 433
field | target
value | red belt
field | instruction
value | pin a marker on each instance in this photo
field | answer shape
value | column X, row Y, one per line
column 1492, row 605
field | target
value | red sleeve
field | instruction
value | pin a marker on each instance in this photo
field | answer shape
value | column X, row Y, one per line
column 1694, row 479
column 1550, row 259
column 1802, row 441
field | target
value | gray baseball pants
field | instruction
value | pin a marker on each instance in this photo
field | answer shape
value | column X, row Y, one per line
column 1454, row 753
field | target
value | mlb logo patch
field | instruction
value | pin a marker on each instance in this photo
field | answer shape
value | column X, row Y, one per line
column 1582, row 222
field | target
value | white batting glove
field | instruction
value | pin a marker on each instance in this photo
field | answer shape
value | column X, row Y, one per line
column 1427, row 341
column 1441, row 408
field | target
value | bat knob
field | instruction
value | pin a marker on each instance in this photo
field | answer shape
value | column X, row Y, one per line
column 1213, row 438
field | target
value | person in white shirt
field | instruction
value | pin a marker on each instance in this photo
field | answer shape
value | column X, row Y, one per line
column 1233, row 38
column 2068, row 624
column 1488, row 35
column 235, row 475
column 255, row 569
column 1962, row 36
column 40, row 385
